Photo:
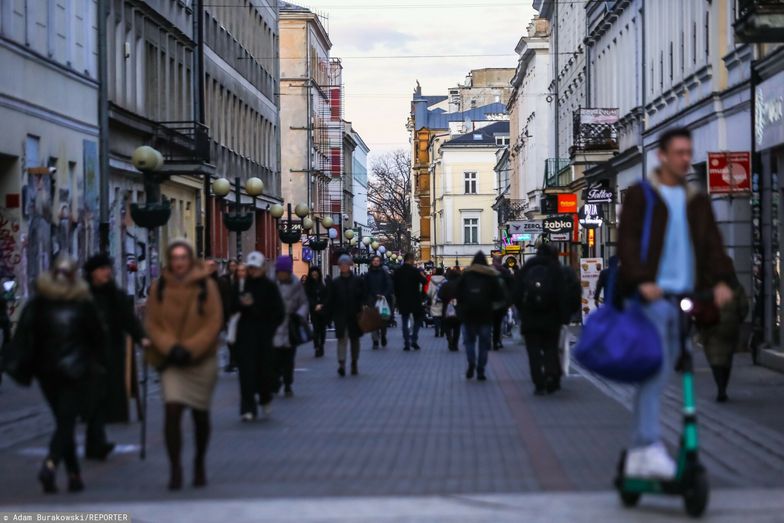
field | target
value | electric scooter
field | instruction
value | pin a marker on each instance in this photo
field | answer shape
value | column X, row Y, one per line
column 691, row 478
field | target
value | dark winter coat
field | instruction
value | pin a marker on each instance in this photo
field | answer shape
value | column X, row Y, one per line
column 712, row 263
column 226, row 289
column 409, row 282
column 316, row 292
column 259, row 320
column 60, row 335
column 378, row 283
column 117, row 315
column 720, row 341
column 544, row 320
column 492, row 288
column 346, row 296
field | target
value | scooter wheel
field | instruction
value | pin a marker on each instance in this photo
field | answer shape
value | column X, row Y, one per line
column 630, row 499
column 695, row 499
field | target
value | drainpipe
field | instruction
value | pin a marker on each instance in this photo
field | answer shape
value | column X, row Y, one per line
column 103, row 126
column 557, row 100
column 643, row 79
column 199, row 111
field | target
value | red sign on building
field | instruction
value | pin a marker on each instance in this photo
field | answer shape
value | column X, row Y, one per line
column 567, row 204
column 729, row 172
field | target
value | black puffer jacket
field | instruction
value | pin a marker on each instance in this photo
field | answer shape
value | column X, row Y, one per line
column 378, row 283
column 345, row 298
column 409, row 282
column 60, row 334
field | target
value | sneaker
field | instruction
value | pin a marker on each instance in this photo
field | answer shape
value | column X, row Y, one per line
column 415, row 346
column 470, row 371
column 651, row 462
column 248, row 416
column 480, row 375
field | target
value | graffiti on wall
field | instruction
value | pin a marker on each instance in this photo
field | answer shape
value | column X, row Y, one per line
column 10, row 252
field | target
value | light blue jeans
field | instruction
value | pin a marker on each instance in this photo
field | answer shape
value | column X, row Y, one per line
column 647, row 401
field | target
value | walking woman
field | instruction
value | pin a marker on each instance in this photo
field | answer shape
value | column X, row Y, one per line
column 296, row 304
column 346, row 297
column 60, row 341
column 447, row 294
column 316, row 291
column 184, row 317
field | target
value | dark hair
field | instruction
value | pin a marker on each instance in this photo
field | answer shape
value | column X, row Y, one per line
column 479, row 258
column 409, row 257
column 669, row 135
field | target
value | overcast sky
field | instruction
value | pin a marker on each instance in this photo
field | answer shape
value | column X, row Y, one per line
column 378, row 90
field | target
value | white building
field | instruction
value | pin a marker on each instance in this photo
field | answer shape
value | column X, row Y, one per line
column 360, row 182
column 49, row 140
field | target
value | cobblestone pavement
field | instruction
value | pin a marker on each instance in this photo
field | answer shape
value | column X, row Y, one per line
column 411, row 431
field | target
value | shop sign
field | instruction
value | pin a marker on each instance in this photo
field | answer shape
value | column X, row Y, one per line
column 591, row 216
column 729, row 172
column 769, row 112
column 560, row 237
column 559, row 225
column 590, row 269
column 599, row 116
column 525, row 227
column 599, row 192
column 567, row 203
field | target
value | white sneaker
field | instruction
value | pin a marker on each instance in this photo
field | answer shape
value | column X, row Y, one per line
column 248, row 416
column 651, row 462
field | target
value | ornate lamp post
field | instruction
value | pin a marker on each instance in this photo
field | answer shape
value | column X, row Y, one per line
column 238, row 222
column 290, row 230
column 318, row 242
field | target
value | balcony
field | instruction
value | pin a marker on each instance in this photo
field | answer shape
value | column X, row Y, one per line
column 595, row 129
column 509, row 210
column 760, row 21
column 185, row 145
column 557, row 172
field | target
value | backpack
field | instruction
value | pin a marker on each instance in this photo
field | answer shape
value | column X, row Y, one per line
column 540, row 287
column 474, row 298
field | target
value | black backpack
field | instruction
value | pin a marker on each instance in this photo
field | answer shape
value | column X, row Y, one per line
column 540, row 287
column 474, row 298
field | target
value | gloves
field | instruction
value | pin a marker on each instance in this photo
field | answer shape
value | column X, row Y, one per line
column 179, row 356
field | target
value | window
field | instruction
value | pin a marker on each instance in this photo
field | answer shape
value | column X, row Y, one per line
column 470, row 183
column 502, row 140
column 470, row 230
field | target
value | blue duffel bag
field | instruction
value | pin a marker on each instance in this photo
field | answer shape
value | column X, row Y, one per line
column 621, row 343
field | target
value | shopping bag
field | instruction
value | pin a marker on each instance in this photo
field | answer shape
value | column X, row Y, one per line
column 451, row 309
column 382, row 306
column 231, row 328
column 369, row 319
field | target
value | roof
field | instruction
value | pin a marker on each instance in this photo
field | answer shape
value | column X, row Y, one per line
column 439, row 119
column 483, row 136
column 287, row 6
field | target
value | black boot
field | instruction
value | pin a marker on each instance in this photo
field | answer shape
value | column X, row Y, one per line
column 75, row 483
column 721, row 375
column 47, row 477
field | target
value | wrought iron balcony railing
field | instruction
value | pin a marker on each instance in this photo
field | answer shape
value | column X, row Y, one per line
column 509, row 209
column 758, row 21
column 183, row 141
column 595, row 129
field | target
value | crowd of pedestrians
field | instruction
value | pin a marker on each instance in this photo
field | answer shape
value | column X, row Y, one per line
column 73, row 334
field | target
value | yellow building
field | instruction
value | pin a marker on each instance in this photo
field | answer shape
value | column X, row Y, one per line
column 464, row 190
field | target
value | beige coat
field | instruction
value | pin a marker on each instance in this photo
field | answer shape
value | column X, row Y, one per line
column 176, row 320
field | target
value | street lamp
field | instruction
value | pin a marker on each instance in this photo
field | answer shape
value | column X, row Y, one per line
column 238, row 222
column 290, row 229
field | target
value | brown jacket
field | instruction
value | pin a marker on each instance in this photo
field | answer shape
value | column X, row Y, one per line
column 176, row 319
column 712, row 263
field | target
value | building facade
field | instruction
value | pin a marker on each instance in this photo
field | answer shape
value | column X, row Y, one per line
column 359, row 183
column 464, row 190
column 49, row 145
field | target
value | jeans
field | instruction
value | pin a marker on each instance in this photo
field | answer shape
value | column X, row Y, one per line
column 408, row 339
column 481, row 332
column 647, row 401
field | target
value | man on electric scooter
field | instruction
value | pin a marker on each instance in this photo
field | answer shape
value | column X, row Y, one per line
column 685, row 254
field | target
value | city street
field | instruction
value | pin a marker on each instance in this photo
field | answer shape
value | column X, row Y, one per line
column 411, row 440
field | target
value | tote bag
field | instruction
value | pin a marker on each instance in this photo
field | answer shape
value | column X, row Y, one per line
column 621, row 344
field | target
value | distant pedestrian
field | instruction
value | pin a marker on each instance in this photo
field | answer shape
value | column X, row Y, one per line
column 479, row 295
column 184, row 317
column 436, row 304
column 409, row 294
column 447, row 294
column 378, row 284
column 296, row 304
column 60, row 342
column 507, row 280
column 261, row 313
column 226, row 291
column 542, row 297
column 316, row 290
column 111, row 389
column 722, row 339
column 346, row 296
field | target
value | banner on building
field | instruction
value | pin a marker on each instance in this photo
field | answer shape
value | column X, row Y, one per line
column 599, row 116
column 525, row 227
column 567, row 203
column 599, row 192
column 590, row 268
column 591, row 216
column 729, row 172
column 560, row 228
